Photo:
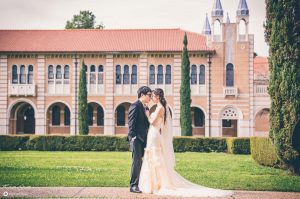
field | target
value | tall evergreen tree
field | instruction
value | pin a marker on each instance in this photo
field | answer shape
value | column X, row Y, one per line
column 185, row 92
column 282, row 30
column 82, row 103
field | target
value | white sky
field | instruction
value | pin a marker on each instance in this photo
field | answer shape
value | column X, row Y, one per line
column 186, row 14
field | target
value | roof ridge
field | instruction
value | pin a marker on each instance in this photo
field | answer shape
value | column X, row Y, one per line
column 118, row 29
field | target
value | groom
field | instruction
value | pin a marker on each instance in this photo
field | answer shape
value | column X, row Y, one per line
column 138, row 129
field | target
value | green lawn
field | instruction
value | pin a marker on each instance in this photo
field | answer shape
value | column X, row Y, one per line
column 217, row 170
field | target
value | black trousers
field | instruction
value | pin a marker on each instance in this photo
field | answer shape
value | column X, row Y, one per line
column 137, row 148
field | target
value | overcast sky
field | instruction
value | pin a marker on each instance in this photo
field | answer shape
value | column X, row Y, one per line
column 114, row 14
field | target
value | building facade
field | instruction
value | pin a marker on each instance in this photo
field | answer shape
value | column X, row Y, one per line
column 39, row 77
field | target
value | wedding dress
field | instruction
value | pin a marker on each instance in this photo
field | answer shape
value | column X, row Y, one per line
column 158, row 175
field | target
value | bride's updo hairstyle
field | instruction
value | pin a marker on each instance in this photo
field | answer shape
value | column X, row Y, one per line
column 159, row 92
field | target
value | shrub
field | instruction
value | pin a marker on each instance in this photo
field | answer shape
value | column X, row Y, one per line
column 8, row 143
column 182, row 144
column 263, row 151
column 238, row 145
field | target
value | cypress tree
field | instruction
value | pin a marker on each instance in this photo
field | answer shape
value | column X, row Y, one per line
column 282, row 30
column 82, row 103
column 185, row 92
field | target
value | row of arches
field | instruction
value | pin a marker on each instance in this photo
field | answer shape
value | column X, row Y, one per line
column 22, row 76
column 58, row 119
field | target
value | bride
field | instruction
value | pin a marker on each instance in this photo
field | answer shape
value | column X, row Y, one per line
column 158, row 175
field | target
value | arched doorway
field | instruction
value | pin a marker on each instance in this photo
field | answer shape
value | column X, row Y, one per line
column 58, row 119
column 121, row 118
column 198, row 121
column 229, row 122
column 95, row 119
column 262, row 123
column 22, row 119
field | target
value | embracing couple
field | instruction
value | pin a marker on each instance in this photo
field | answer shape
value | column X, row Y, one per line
column 153, row 158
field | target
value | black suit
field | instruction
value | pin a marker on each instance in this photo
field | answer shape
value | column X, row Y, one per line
column 138, row 127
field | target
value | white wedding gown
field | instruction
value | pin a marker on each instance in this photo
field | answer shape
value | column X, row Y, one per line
column 158, row 175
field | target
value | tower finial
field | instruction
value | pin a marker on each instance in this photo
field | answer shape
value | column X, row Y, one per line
column 217, row 10
column 242, row 9
column 206, row 28
column 227, row 19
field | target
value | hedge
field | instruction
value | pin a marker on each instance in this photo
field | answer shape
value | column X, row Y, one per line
column 238, row 145
column 263, row 152
column 115, row 143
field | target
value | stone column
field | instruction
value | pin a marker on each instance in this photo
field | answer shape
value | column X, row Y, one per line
column 40, row 116
column 74, row 92
column 143, row 70
column 176, row 95
column 251, row 86
column 3, row 95
column 109, row 118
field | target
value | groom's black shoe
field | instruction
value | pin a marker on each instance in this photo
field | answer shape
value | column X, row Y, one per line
column 135, row 189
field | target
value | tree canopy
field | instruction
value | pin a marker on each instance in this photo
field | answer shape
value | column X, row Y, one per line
column 84, row 20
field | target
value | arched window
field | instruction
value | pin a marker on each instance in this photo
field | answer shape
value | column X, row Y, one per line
column 90, row 115
column 92, row 74
column 118, row 75
column 217, row 27
column 152, row 74
column 100, row 74
column 134, row 75
column 160, row 75
column 242, row 27
column 50, row 72
column 126, row 75
column 194, row 74
column 66, row 116
column 22, row 75
column 58, row 72
column 229, row 75
column 56, row 115
column 202, row 75
column 30, row 74
column 168, row 74
column 198, row 117
column 121, row 116
column 100, row 116
column 67, row 72
column 14, row 73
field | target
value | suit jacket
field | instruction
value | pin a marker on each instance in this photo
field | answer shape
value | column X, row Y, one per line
column 138, row 123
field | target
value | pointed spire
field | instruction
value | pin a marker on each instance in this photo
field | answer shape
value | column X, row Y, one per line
column 206, row 28
column 242, row 9
column 217, row 10
column 227, row 19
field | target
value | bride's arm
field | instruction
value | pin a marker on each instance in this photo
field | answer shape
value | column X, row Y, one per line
column 154, row 117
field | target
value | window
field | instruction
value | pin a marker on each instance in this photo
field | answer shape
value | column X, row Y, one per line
column 226, row 123
column 90, row 115
column 22, row 75
column 92, row 75
column 126, row 75
column 14, row 74
column 100, row 116
column 194, row 74
column 30, row 74
column 100, row 74
column 202, row 75
column 50, row 72
column 198, row 117
column 121, row 116
column 160, row 75
column 56, row 115
column 134, row 75
column 229, row 75
column 58, row 72
column 118, row 75
column 66, row 116
column 67, row 72
column 152, row 75
column 168, row 74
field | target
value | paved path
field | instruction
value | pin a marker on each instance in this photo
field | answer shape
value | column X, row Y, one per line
column 117, row 192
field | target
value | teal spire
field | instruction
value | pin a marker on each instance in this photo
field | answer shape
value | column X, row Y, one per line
column 206, row 28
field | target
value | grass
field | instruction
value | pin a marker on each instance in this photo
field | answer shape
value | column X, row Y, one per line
column 95, row 169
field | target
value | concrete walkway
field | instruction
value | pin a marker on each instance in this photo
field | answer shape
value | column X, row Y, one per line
column 117, row 192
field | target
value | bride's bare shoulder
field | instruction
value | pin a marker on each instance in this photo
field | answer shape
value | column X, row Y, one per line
column 161, row 110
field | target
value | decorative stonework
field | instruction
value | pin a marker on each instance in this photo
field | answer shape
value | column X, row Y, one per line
column 229, row 113
column 3, row 95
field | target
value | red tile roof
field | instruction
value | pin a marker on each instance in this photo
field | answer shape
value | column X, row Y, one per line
column 261, row 66
column 95, row 40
